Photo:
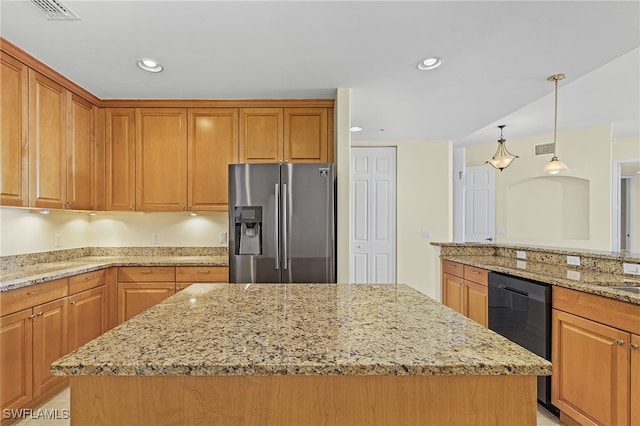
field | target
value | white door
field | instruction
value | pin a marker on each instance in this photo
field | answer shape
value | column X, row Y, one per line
column 373, row 240
column 480, row 204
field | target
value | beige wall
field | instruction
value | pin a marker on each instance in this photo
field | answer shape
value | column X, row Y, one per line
column 27, row 231
column 533, row 208
column 423, row 204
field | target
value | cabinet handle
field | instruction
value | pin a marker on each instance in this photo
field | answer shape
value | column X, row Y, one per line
column 146, row 272
column 89, row 278
column 35, row 291
column 634, row 346
column 204, row 272
column 72, row 303
column 619, row 342
column 40, row 314
column 31, row 316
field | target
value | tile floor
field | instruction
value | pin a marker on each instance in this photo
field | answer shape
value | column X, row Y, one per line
column 60, row 402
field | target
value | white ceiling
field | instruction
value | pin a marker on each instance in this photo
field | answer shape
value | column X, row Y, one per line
column 496, row 58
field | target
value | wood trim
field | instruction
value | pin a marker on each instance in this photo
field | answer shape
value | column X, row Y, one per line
column 611, row 312
column 33, row 63
column 216, row 103
column 635, row 380
column 304, row 400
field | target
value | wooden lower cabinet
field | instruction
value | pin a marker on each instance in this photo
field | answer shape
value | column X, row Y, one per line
column 16, row 351
column 87, row 316
column 464, row 289
column 134, row 298
column 31, row 340
column 595, row 363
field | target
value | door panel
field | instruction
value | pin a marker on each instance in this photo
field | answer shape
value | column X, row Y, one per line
column 480, row 204
column 373, row 182
column 308, row 223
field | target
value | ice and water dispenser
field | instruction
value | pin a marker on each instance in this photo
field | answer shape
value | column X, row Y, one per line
column 248, row 229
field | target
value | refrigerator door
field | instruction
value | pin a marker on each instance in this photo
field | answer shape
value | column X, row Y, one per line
column 253, row 223
column 308, row 228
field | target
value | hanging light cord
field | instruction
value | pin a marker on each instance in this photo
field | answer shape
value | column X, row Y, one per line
column 555, row 117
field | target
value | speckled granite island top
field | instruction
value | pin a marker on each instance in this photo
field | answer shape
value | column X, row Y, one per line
column 300, row 329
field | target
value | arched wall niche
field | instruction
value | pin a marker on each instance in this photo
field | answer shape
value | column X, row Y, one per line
column 548, row 207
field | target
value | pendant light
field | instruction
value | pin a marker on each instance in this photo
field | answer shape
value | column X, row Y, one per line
column 555, row 165
column 502, row 158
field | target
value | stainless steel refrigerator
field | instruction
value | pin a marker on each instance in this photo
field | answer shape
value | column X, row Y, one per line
column 282, row 223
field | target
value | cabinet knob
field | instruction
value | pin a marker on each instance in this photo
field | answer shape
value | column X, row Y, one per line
column 72, row 303
column 619, row 342
column 131, row 206
column 31, row 316
column 40, row 314
column 634, row 346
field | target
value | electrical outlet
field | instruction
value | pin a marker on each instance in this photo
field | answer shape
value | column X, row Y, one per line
column 57, row 240
column 573, row 260
column 222, row 237
column 521, row 264
column 631, row 268
column 521, row 254
column 155, row 238
column 573, row 275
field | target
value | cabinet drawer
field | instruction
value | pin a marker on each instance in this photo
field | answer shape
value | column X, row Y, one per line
column 27, row 297
column 477, row 275
column 143, row 273
column 88, row 280
column 202, row 274
column 453, row 268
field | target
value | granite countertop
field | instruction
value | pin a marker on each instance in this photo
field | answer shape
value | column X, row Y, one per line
column 24, row 276
column 563, row 276
column 305, row 329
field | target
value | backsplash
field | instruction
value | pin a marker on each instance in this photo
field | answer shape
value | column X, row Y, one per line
column 16, row 261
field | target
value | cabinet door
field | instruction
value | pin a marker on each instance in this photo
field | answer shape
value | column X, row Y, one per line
column 87, row 316
column 161, row 159
column 49, row 342
column 47, row 142
column 120, row 168
column 305, row 135
column 590, row 370
column 453, row 293
column 15, row 359
column 81, row 155
column 14, row 90
column 213, row 145
column 261, row 138
column 134, row 298
column 635, row 379
column 477, row 302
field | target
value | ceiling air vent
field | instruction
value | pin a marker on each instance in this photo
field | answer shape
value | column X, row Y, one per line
column 544, row 149
column 55, row 10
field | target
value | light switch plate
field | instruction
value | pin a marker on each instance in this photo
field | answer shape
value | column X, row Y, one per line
column 631, row 268
column 573, row 260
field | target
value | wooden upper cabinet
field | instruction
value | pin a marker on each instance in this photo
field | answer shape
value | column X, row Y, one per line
column 212, row 146
column 47, row 142
column 14, row 92
column 261, row 139
column 81, row 179
column 120, row 159
column 305, row 135
column 161, row 159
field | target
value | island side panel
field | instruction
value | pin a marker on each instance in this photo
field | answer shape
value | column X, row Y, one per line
column 309, row 400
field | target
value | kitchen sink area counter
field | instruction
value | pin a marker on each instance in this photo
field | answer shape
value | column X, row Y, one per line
column 367, row 341
column 599, row 273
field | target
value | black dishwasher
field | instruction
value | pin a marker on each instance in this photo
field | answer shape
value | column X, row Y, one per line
column 520, row 310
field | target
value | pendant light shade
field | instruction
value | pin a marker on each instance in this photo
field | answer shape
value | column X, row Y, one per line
column 502, row 158
column 555, row 165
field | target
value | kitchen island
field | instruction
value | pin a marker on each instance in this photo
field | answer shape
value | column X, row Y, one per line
column 301, row 354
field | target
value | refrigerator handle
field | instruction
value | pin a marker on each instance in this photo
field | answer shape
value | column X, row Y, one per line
column 285, row 225
column 276, row 226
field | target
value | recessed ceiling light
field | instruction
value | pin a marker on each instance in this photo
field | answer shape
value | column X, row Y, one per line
column 149, row 65
column 429, row 64
column 356, row 129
